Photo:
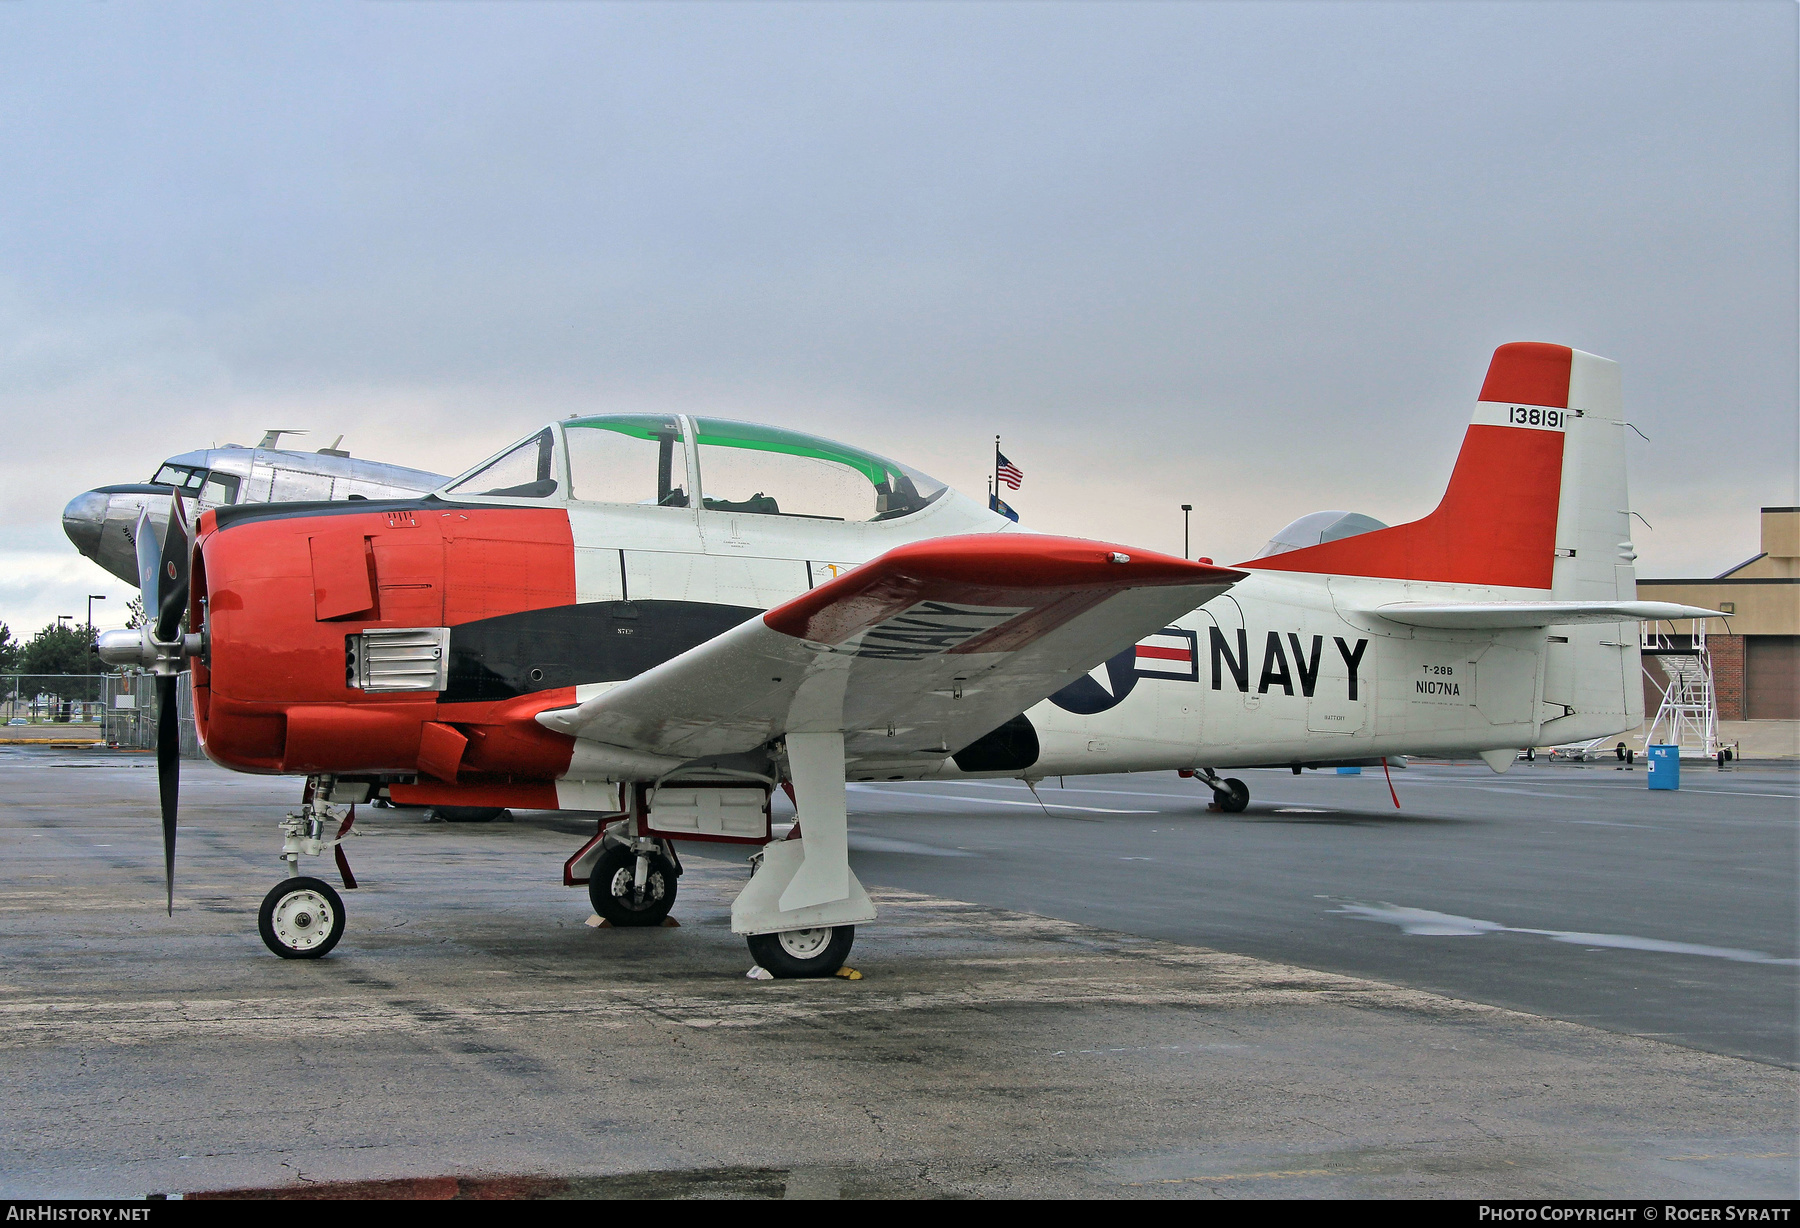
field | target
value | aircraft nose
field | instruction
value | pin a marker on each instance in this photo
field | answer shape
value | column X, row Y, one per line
column 83, row 519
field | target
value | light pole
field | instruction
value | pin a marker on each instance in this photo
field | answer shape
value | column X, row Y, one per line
column 92, row 598
column 1185, row 509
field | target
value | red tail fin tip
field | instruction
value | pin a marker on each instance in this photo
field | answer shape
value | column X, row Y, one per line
column 1496, row 524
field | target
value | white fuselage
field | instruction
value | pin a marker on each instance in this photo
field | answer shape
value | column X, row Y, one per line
column 1259, row 676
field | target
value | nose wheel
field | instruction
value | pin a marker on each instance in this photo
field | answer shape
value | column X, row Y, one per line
column 302, row 918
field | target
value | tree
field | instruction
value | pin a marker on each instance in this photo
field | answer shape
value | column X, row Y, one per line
column 57, row 653
column 9, row 650
column 134, row 613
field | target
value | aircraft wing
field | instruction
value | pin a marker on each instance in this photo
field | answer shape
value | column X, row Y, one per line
column 1501, row 615
column 914, row 654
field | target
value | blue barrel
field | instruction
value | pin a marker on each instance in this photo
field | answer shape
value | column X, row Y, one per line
column 1353, row 771
column 1665, row 766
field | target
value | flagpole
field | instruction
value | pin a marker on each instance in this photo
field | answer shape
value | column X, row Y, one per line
column 996, row 465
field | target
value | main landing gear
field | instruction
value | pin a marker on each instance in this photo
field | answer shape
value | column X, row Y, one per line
column 803, row 953
column 303, row 917
column 1230, row 794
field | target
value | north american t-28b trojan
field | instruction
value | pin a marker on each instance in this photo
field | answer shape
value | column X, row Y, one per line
column 662, row 618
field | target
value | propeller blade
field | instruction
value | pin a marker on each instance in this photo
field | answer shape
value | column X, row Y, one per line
column 148, row 561
column 172, row 576
column 168, row 771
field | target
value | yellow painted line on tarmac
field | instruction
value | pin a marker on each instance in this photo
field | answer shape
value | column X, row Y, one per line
column 1295, row 1172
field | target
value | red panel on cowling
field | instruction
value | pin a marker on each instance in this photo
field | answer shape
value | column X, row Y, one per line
column 441, row 751
column 350, row 737
column 504, row 562
column 340, row 573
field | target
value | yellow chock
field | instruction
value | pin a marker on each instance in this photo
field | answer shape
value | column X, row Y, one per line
column 849, row 974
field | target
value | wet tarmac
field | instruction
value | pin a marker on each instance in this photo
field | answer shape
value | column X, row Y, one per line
column 473, row 1032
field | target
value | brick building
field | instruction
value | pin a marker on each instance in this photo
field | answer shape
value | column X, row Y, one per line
column 1755, row 651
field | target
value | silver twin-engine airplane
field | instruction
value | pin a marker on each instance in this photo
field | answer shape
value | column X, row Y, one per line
column 662, row 618
column 101, row 522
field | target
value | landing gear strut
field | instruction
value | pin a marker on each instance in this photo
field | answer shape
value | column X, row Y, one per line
column 1231, row 794
column 303, row 917
column 634, row 885
column 800, row 909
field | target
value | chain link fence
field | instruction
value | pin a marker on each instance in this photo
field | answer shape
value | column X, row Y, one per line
column 130, row 720
column 52, row 699
column 118, row 709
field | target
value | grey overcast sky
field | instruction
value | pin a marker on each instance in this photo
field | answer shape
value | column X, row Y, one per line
column 1248, row 256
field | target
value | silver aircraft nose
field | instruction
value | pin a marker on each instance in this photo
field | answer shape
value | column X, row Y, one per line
column 84, row 519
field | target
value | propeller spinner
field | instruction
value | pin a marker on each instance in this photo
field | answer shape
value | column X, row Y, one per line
column 161, row 646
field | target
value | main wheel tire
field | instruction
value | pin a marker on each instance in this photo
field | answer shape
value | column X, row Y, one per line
column 612, row 888
column 803, row 953
column 301, row 918
column 467, row 814
column 1238, row 797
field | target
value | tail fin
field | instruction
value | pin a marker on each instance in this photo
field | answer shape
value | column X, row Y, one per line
column 1537, row 497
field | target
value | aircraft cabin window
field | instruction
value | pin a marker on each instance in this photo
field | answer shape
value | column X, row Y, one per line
column 221, row 489
column 522, row 473
column 627, row 458
column 764, row 470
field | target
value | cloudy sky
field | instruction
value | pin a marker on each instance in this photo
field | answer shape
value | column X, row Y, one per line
column 1251, row 257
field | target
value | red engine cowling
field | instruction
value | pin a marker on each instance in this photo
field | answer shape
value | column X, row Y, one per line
column 278, row 594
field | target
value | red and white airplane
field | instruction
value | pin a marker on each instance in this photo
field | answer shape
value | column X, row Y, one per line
column 661, row 618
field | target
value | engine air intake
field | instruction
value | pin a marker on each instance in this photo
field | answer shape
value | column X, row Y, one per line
column 398, row 659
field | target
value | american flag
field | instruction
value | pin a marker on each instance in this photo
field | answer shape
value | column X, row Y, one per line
column 1006, row 471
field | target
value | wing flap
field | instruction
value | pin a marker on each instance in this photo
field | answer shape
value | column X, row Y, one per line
column 1503, row 615
column 918, row 652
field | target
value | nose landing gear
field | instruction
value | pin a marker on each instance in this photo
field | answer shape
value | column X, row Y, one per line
column 303, row 917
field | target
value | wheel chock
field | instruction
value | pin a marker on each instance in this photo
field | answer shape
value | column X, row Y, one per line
column 759, row 973
column 596, row 922
column 849, row 974
column 670, row 923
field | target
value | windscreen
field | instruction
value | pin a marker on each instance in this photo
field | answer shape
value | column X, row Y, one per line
column 522, row 472
column 181, row 477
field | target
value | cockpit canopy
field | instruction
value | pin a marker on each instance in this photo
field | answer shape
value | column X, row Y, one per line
column 661, row 459
column 1318, row 528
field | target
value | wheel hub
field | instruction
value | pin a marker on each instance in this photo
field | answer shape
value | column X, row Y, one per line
column 804, row 944
column 624, row 888
column 303, row 920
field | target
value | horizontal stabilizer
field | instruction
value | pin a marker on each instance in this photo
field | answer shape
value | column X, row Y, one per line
column 1502, row 615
